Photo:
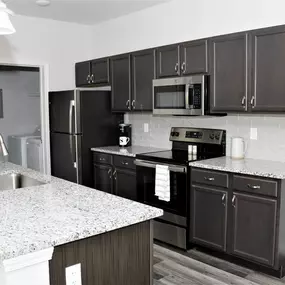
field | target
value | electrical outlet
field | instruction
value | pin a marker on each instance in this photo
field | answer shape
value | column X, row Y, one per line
column 146, row 127
column 73, row 275
column 253, row 133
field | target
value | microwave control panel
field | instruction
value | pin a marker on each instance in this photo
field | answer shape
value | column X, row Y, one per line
column 195, row 94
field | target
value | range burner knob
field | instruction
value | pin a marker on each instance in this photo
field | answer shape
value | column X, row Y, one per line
column 217, row 136
column 176, row 134
column 172, row 134
column 212, row 136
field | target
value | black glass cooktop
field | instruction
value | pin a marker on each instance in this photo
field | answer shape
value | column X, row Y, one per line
column 174, row 156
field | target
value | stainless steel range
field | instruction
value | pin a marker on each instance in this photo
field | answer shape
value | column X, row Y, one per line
column 188, row 144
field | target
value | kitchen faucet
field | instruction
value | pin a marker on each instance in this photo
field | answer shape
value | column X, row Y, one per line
column 3, row 150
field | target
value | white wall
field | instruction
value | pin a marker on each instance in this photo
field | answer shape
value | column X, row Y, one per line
column 47, row 42
column 22, row 109
column 182, row 20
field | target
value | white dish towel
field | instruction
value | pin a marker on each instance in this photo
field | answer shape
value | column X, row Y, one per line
column 162, row 183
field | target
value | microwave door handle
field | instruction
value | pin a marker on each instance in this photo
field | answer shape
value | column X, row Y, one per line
column 187, row 106
column 191, row 106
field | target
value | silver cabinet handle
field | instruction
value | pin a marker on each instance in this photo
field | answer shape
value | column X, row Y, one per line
column 176, row 68
column 183, row 67
column 88, row 78
column 128, row 104
column 102, row 159
column 125, row 163
column 134, row 104
column 115, row 174
column 224, row 200
column 253, row 186
column 252, row 101
column 209, row 178
column 92, row 78
column 243, row 101
column 110, row 173
column 233, row 201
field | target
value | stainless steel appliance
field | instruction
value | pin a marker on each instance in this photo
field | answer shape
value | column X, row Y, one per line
column 79, row 120
column 172, row 227
column 125, row 135
column 180, row 96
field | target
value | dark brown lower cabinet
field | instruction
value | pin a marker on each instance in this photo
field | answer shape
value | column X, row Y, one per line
column 116, row 175
column 103, row 179
column 120, row 257
column 209, row 217
column 244, row 218
column 254, row 228
column 125, row 184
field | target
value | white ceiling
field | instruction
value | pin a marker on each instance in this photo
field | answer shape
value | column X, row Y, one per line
column 89, row 12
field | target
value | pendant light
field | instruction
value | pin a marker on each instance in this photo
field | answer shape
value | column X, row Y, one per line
column 6, row 27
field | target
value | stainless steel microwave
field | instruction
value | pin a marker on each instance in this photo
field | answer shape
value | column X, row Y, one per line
column 184, row 96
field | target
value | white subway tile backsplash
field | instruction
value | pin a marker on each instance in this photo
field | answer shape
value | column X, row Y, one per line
column 270, row 143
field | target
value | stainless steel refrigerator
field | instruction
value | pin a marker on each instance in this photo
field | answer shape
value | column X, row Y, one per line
column 80, row 120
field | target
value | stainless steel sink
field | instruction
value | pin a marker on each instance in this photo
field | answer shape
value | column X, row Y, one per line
column 15, row 181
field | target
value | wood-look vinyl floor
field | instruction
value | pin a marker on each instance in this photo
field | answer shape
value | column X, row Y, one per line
column 197, row 268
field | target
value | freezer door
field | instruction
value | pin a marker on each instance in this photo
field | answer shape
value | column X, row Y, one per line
column 65, row 157
column 64, row 112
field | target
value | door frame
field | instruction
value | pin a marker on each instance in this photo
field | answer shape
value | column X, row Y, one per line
column 44, row 106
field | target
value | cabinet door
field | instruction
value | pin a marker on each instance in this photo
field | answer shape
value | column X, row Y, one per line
column 103, row 179
column 268, row 69
column 125, row 184
column 121, row 82
column 254, row 228
column 100, row 71
column 194, row 57
column 229, row 71
column 167, row 61
column 208, row 217
column 82, row 73
column 143, row 73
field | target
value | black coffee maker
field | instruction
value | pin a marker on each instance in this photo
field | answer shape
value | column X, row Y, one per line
column 125, row 135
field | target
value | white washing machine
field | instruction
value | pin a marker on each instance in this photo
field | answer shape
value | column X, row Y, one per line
column 17, row 147
column 35, row 154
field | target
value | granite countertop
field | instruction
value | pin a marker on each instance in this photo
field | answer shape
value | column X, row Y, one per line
column 39, row 217
column 257, row 167
column 127, row 151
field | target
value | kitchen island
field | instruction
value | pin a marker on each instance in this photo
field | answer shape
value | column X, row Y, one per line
column 46, row 228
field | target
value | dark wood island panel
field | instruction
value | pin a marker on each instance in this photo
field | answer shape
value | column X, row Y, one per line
column 120, row 257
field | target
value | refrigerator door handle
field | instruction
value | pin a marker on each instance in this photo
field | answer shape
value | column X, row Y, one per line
column 71, row 105
column 73, row 155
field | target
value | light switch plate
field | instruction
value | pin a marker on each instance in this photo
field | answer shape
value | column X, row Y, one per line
column 73, row 275
column 253, row 133
column 146, row 127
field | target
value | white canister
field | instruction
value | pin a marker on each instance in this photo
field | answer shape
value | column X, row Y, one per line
column 238, row 148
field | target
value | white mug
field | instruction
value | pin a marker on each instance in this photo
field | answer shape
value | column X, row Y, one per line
column 238, row 148
column 124, row 141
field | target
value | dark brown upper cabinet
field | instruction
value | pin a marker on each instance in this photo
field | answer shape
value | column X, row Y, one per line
column 268, row 90
column 143, row 72
column 100, row 71
column 92, row 73
column 82, row 73
column 167, row 61
column 194, row 57
column 121, row 83
column 229, row 69
column 182, row 59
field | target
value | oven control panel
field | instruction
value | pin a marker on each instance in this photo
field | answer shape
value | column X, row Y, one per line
column 192, row 135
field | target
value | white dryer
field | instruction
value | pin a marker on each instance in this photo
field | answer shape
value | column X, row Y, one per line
column 17, row 147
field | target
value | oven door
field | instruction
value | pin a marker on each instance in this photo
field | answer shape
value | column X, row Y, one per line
column 178, row 187
column 177, row 96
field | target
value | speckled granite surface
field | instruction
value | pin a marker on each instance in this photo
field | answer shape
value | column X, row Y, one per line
column 128, row 151
column 36, row 218
column 257, row 167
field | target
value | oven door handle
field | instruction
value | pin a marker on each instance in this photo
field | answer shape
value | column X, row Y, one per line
column 173, row 168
